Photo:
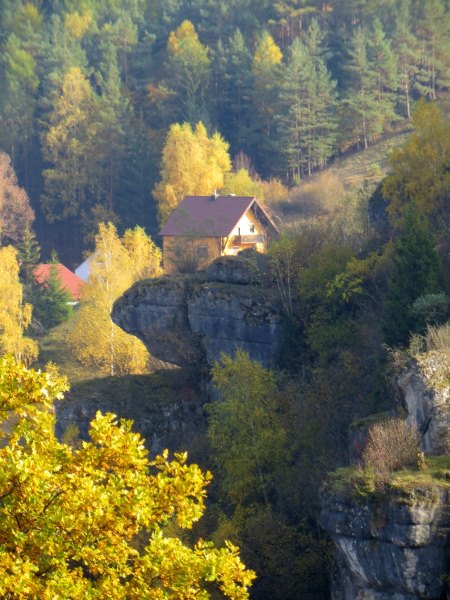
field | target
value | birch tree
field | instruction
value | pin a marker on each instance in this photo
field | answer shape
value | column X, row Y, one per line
column 114, row 266
column 15, row 314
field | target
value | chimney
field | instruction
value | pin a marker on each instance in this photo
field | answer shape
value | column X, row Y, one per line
column 215, row 195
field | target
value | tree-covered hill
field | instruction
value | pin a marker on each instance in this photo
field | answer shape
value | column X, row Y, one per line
column 90, row 89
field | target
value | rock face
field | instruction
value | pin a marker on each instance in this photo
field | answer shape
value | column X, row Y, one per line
column 428, row 404
column 392, row 550
column 190, row 321
column 396, row 547
column 165, row 408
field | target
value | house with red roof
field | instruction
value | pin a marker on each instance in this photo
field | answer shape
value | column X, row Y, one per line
column 202, row 228
column 69, row 281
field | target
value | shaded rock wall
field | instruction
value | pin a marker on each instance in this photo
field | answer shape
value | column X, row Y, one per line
column 391, row 550
column 189, row 321
column 166, row 409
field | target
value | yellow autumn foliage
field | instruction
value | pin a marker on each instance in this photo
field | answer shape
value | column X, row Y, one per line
column 88, row 521
column 267, row 55
column 114, row 266
column 77, row 24
column 15, row 314
column 192, row 164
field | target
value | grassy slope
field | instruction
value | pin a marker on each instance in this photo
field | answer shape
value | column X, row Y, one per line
column 371, row 164
column 88, row 382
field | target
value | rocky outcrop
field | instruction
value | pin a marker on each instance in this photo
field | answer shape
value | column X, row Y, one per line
column 191, row 320
column 395, row 545
column 425, row 388
column 394, row 549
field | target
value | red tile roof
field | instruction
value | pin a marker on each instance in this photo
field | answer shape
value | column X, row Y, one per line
column 69, row 281
column 206, row 216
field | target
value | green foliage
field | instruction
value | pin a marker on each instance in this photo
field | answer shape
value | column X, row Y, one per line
column 308, row 97
column 189, row 68
column 51, row 302
column 416, row 271
column 245, row 431
column 421, row 169
column 249, row 429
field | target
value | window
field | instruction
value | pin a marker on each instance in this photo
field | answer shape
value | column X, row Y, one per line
column 252, row 228
column 202, row 251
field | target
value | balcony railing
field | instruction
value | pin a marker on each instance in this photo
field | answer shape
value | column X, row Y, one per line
column 256, row 238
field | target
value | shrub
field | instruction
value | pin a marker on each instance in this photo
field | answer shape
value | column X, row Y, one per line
column 433, row 308
column 438, row 338
column 391, row 445
column 320, row 195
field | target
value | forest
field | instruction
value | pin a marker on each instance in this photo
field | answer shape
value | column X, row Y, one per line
column 110, row 112
column 90, row 90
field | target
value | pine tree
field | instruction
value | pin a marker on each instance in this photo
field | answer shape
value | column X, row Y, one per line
column 405, row 46
column 433, row 33
column 266, row 70
column 21, row 48
column 385, row 63
column 233, row 64
column 52, row 304
column 416, row 271
column 189, row 67
column 308, row 98
column 111, row 115
column 29, row 253
column 366, row 116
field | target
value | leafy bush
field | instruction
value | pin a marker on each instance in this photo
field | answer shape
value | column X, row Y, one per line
column 391, row 445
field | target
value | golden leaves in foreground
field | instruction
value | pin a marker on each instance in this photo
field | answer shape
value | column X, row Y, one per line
column 89, row 521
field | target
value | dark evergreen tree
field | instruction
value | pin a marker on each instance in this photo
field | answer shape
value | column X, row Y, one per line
column 189, row 74
column 20, row 49
column 364, row 115
column 266, row 71
column 433, row 33
column 405, row 46
column 51, row 302
column 233, row 84
column 307, row 122
column 29, row 256
column 416, row 272
column 385, row 63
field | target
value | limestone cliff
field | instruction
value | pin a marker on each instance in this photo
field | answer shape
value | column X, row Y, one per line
column 425, row 388
column 395, row 545
column 191, row 320
column 391, row 549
